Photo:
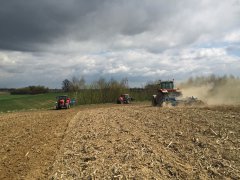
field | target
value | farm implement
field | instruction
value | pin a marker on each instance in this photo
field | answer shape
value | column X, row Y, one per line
column 169, row 95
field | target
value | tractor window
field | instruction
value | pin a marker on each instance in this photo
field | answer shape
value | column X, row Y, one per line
column 126, row 96
column 167, row 85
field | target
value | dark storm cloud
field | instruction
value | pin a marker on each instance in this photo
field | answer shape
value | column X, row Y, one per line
column 29, row 23
column 34, row 24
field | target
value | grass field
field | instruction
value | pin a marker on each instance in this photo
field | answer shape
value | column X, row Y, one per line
column 11, row 103
column 26, row 102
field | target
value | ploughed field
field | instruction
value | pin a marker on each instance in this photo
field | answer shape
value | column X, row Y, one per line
column 121, row 142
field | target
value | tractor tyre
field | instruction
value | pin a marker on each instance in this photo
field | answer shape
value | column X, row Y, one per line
column 159, row 100
column 154, row 102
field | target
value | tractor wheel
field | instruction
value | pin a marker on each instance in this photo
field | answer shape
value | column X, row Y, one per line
column 154, row 102
column 159, row 100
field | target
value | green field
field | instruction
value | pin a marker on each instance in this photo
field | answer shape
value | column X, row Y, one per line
column 11, row 103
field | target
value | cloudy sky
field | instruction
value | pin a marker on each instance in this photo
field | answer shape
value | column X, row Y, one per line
column 44, row 42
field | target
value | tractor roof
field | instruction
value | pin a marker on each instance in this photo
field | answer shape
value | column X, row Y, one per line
column 170, row 81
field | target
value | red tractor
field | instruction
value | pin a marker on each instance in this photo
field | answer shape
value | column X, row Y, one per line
column 63, row 102
column 124, row 99
column 170, row 95
column 166, row 93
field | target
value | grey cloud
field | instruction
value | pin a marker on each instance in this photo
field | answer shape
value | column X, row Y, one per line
column 138, row 65
column 35, row 25
column 27, row 24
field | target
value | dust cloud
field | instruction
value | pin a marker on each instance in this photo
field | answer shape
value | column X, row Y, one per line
column 216, row 92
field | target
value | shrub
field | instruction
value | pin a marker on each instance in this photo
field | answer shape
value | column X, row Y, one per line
column 30, row 90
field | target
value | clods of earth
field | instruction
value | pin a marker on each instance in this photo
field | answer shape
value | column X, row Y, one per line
column 121, row 142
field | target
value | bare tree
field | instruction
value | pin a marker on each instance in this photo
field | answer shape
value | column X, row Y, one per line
column 66, row 85
column 75, row 84
column 82, row 83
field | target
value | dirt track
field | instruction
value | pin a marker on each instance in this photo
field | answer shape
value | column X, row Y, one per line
column 122, row 142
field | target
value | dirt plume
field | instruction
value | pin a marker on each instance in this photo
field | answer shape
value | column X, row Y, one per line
column 214, row 92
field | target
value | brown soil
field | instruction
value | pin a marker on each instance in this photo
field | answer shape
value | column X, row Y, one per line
column 122, row 142
column 30, row 142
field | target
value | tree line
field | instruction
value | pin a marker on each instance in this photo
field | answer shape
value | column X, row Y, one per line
column 100, row 91
column 30, row 90
column 107, row 91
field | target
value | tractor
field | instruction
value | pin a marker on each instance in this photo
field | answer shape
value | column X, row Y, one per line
column 124, row 99
column 63, row 102
column 166, row 93
column 170, row 95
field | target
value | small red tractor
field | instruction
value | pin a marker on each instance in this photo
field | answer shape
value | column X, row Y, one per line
column 124, row 99
column 168, row 94
column 63, row 102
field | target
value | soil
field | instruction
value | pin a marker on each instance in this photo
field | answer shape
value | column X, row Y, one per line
column 122, row 142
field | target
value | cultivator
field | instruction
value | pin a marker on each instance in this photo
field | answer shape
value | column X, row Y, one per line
column 167, row 94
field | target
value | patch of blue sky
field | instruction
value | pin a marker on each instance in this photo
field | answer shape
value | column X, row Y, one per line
column 232, row 49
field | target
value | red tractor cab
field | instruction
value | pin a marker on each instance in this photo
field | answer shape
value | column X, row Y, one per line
column 168, row 87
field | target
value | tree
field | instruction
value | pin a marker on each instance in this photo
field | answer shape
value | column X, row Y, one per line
column 31, row 90
column 66, row 85
column 82, row 83
column 102, row 83
column 75, row 84
column 152, row 86
column 124, row 83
